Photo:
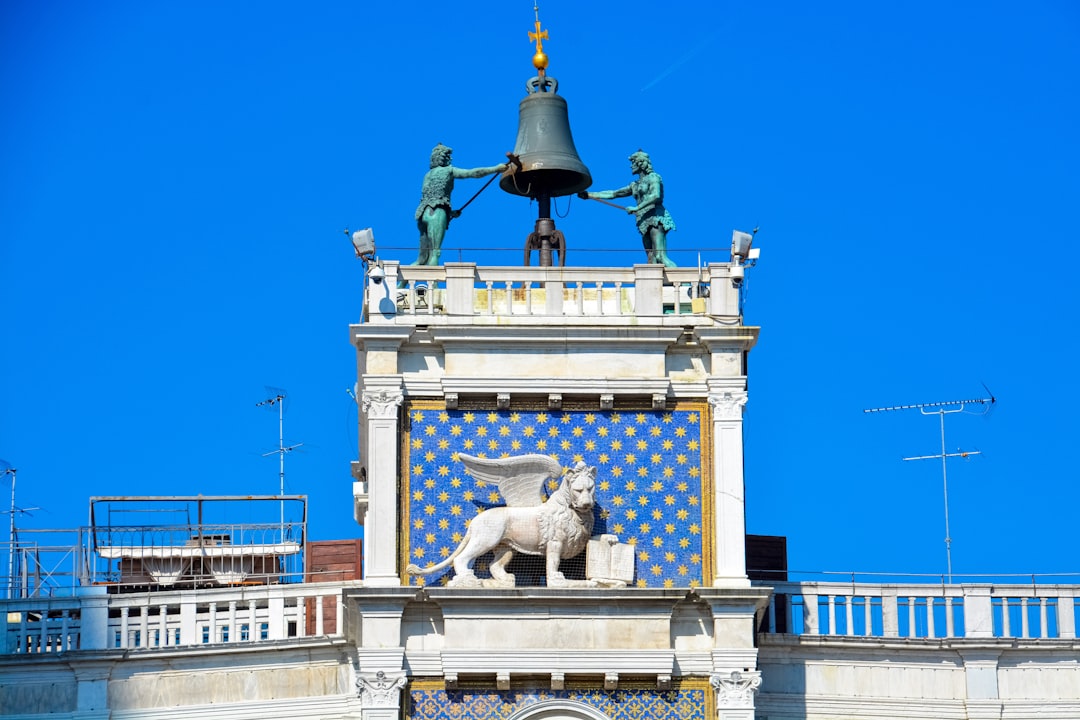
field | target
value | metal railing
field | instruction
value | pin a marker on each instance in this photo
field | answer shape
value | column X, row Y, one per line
column 198, row 555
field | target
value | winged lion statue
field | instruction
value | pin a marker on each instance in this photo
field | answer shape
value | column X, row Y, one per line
column 558, row 528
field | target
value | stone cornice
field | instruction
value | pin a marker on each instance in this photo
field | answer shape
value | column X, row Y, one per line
column 381, row 335
column 620, row 335
column 792, row 644
column 709, row 595
column 563, row 385
column 720, row 337
column 547, row 660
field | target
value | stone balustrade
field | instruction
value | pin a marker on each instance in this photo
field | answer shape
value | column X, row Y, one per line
column 95, row 620
column 466, row 289
column 41, row 625
column 923, row 611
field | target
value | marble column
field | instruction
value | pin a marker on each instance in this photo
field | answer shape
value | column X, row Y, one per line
column 727, row 400
column 380, row 452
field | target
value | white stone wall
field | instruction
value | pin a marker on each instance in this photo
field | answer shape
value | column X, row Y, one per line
column 814, row 678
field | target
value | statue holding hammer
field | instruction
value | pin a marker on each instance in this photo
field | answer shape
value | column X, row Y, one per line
column 653, row 220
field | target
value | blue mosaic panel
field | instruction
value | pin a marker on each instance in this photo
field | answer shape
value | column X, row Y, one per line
column 648, row 491
column 628, row 704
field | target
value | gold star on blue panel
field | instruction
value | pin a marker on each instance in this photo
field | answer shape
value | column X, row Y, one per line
column 649, row 487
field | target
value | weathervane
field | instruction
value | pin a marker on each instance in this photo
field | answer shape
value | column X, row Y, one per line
column 540, row 59
column 942, row 409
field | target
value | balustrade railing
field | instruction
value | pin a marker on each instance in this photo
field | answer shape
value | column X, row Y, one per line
column 41, row 625
column 923, row 611
column 467, row 289
column 171, row 619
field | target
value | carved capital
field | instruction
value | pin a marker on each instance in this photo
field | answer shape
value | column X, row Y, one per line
column 382, row 404
column 728, row 404
column 736, row 689
column 380, row 689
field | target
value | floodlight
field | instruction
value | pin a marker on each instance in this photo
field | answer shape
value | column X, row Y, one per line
column 364, row 242
column 740, row 243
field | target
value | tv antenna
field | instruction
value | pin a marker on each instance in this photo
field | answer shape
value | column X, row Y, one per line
column 941, row 409
column 277, row 397
column 6, row 469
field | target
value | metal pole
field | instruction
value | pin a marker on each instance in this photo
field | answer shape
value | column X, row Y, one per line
column 945, row 488
column 11, row 540
column 281, row 463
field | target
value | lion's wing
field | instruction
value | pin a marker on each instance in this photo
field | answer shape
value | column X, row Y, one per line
column 520, row 479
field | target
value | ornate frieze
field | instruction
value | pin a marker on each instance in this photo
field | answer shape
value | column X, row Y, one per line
column 382, row 404
column 380, row 689
column 736, row 689
column 728, row 404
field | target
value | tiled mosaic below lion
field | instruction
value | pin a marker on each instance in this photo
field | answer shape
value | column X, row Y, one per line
column 684, row 702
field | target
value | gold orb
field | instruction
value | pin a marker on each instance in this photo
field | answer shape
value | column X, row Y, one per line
column 540, row 60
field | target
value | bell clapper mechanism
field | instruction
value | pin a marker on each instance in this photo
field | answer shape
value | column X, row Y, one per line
column 941, row 409
column 545, row 162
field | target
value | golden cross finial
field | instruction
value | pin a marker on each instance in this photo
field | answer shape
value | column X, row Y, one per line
column 539, row 59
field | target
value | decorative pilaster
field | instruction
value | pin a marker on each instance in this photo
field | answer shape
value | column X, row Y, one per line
column 92, row 694
column 982, row 699
column 380, row 407
column 735, row 693
column 727, row 400
column 380, row 694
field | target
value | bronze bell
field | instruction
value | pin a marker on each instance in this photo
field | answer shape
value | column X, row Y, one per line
column 550, row 166
column 545, row 163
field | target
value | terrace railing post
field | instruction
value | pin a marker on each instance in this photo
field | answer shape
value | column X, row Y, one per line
column 1066, row 613
column 648, row 290
column 276, row 608
column 94, row 618
column 890, row 622
column 978, row 612
column 810, row 610
column 723, row 294
column 460, row 280
column 189, row 614
column 553, row 294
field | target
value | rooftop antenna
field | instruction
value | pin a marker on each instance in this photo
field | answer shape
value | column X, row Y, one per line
column 277, row 397
column 6, row 469
column 941, row 409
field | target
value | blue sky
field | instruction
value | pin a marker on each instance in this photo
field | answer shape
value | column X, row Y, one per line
column 176, row 178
